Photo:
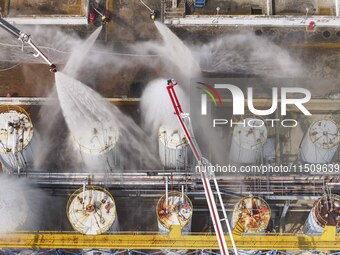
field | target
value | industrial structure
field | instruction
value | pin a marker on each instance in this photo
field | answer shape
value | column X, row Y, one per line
column 97, row 146
column 247, row 143
column 91, row 210
column 320, row 142
column 174, row 208
column 15, row 211
column 25, row 39
column 252, row 213
column 325, row 212
column 180, row 205
column 173, row 148
column 17, row 139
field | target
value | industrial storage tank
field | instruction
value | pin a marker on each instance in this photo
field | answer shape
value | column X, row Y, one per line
column 173, row 148
column 253, row 213
column 16, row 139
column 177, row 211
column 14, row 210
column 97, row 146
column 325, row 211
column 321, row 142
column 247, row 142
column 91, row 210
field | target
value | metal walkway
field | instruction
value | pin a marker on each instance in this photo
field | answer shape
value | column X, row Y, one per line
column 328, row 241
column 315, row 105
column 161, row 252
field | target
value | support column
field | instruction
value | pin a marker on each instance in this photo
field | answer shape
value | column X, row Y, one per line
column 268, row 7
column 162, row 10
column 337, row 8
column 273, row 7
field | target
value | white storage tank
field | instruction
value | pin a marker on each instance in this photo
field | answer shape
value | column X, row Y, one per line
column 321, row 142
column 97, row 146
column 253, row 213
column 14, row 209
column 178, row 211
column 91, row 210
column 16, row 139
column 247, row 142
column 173, row 148
column 325, row 211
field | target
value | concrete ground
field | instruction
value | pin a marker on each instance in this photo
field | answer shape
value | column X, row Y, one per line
column 287, row 7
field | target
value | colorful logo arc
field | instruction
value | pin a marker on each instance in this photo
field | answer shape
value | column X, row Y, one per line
column 211, row 91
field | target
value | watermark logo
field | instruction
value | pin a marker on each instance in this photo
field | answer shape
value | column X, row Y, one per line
column 213, row 94
column 224, row 102
column 238, row 99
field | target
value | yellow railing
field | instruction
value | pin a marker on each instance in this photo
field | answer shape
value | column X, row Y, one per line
column 174, row 240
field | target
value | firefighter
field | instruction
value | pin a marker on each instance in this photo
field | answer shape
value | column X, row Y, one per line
column 92, row 17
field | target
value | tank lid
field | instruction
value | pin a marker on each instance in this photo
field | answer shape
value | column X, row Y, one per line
column 171, row 137
column 97, row 139
column 324, row 134
column 92, row 211
column 253, row 213
column 16, row 129
column 250, row 136
column 326, row 210
column 178, row 212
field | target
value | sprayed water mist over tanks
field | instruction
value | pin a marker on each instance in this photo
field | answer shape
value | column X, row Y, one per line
column 156, row 107
column 88, row 116
column 160, row 121
column 177, row 52
column 173, row 148
column 76, row 60
column 20, row 205
column 91, row 123
column 13, row 211
column 246, row 53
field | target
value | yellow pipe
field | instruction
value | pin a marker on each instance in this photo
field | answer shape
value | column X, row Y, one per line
column 314, row 105
column 154, row 241
column 316, row 45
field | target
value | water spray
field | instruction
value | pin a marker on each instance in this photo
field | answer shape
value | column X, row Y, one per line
column 25, row 39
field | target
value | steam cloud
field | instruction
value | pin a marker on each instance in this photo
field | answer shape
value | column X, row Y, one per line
column 157, row 108
column 20, row 205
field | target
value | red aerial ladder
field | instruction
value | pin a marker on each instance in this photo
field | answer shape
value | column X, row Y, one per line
column 185, row 123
